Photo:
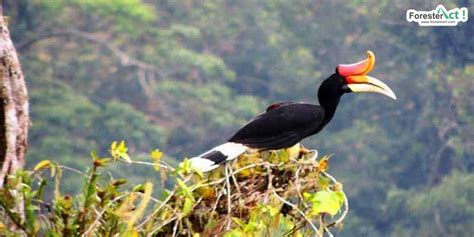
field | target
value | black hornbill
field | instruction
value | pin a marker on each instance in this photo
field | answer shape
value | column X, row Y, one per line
column 285, row 124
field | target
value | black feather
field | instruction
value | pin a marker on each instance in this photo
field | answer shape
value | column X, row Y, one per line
column 282, row 125
column 215, row 156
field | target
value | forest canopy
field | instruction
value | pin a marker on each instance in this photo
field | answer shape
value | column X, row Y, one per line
column 182, row 76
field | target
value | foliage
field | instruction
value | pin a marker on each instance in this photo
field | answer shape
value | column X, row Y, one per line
column 278, row 193
column 184, row 75
column 444, row 209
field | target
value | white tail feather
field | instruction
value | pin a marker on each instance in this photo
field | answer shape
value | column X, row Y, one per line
column 211, row 159
column 202, row 164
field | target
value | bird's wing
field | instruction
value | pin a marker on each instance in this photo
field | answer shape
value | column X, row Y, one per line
column 282, row 125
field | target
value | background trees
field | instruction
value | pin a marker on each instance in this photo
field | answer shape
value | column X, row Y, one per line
column 182, row 76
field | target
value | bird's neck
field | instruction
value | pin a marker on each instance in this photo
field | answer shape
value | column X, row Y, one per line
column 329, row 94
column 330, row 106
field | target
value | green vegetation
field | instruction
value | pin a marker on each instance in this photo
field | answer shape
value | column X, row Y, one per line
column 277, row 193
column 184, row 75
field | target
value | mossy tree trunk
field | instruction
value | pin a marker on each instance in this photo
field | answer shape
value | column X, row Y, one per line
column 14, row 118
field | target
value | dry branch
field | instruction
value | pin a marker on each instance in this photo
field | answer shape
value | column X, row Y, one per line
column 145, row 72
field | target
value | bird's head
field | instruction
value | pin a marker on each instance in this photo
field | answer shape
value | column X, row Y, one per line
column 356, row 78
column 352, row 78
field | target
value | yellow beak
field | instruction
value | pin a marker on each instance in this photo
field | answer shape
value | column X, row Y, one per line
column 369, row 84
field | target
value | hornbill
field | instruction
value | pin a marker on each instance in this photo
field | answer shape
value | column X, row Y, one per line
column 285, row 124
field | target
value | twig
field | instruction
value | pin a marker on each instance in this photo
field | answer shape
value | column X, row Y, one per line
column 229, row 203
column 162, row 225
column 219, row 195
column 326, row 229
column 97, row 219
column 159, row 208
column 234, row 178
column 316, row 231
column 164, row 203
column 270, row 183
column 295, row 228
column 151, row 164
column 298, row 186
column 151, row 198
column 175, row 228
column 321, row 223
column 73, row 170
column 233, row 173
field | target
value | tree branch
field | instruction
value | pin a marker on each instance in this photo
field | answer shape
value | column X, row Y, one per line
column 125, row 59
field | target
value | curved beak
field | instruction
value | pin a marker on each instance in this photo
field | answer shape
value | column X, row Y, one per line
column 369, row 84
column 358, row 80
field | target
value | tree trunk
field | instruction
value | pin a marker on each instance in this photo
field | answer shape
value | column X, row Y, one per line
column 14, row 118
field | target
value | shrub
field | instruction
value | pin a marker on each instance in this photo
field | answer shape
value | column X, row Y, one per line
column 268, row 193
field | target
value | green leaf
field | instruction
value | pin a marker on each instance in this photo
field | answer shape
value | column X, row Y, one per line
column 323, row 182
column 235, row 233
column 284, row 155
column 239, row 222
column 272, row 211
column 102, row 162
column 325, row 202
column 184, row 167
column 185, row 189
column 119, row 182
column 46, row 164
column 94, row 155
column 42, row 164
column 119, row 150
column 156, row 156
column 188, row 206
column 139, row 188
